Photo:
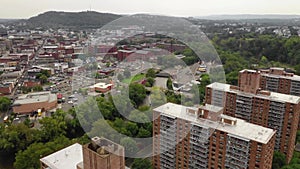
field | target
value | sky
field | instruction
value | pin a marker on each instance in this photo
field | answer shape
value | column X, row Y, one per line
column 28, row 8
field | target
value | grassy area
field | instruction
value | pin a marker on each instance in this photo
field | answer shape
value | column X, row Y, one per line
column 135, row 78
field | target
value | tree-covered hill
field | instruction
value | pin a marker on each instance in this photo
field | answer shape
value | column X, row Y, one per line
column 87, row 19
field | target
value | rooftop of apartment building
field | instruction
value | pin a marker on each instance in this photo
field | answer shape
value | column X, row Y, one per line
column 66, row 158
column 104, row 147
column 35, row 98
column 273, row 96
column 230, row 125
column 72, row 156
column 274, row 72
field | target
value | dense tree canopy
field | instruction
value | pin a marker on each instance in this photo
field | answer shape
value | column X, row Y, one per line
column 29, row 158
column 278, row 160
column 137, row 93
column 141, row 164
column 4, row 104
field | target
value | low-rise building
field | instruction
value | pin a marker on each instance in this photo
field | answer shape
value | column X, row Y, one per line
column 101, row 153
column 66, row 158
column 6, row 88
column 101, row 87
column 29, row 103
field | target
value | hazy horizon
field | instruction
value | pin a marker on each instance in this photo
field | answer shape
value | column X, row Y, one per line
column 13, row 9
column 199, row 16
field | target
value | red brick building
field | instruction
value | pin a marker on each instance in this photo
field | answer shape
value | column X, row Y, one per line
column 123, row 54
column 189, row 137
column 29, row 103
column 101, row 87
column 273, row 79
column 269, row 109
column 99, row 154
column 6, row 88
column 31, row 83
column 103, row 154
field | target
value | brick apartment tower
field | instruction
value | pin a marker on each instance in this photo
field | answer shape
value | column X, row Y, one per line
column 273, row 79
column 102, row 154
column 194, row 138
column 269, row 109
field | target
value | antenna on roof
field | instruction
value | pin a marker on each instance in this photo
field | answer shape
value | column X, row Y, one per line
column 90, row 5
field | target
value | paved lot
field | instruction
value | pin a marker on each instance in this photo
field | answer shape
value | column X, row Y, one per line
column 161, row 82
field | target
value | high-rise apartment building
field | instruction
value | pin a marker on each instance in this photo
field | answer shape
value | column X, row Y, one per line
column 189, row 137
column 102, row 153
column 269, row 109
column 273, row 79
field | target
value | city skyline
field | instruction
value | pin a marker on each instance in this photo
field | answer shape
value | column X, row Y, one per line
column 11, row 9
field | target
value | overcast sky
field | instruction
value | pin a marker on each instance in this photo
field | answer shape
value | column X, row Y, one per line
column 29, row 8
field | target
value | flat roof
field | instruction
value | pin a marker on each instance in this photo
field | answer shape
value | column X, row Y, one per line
column 278, row 97
column 294, row 77
column 101, row 85
column 211, row 108
column 242, row 128
column 35, row 98
column 66, row 158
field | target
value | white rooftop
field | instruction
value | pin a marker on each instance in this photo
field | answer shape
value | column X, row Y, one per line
column 66, row 158
column 35, row 98
column 242, row 128
column 101, row 85
column 279, row 97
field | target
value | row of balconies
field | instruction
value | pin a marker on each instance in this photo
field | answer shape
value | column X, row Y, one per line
column 241, row 162
column 193, row 164
column 237, row 165
column 238, row 151
column 275, row 117
column 232, row 140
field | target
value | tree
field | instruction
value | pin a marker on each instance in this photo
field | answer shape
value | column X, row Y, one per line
column 46, row 73
column 150, row 81
column 141, row 164
column 137, row 93
column 169, row 84
column 29, row 158
column 4, row 104
column 37, row 88
column 264, row 60
column 297, row 69
column 278, row 160
column 205, row 80
column 151, row 73
column 54, row 126
column 173, row 97
column 130, row 146
column 132, row 128
column 17, row 137
column 43, row 79
column 144, row 133
column 103, row 128
column 291, row 166
column 138, row 116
